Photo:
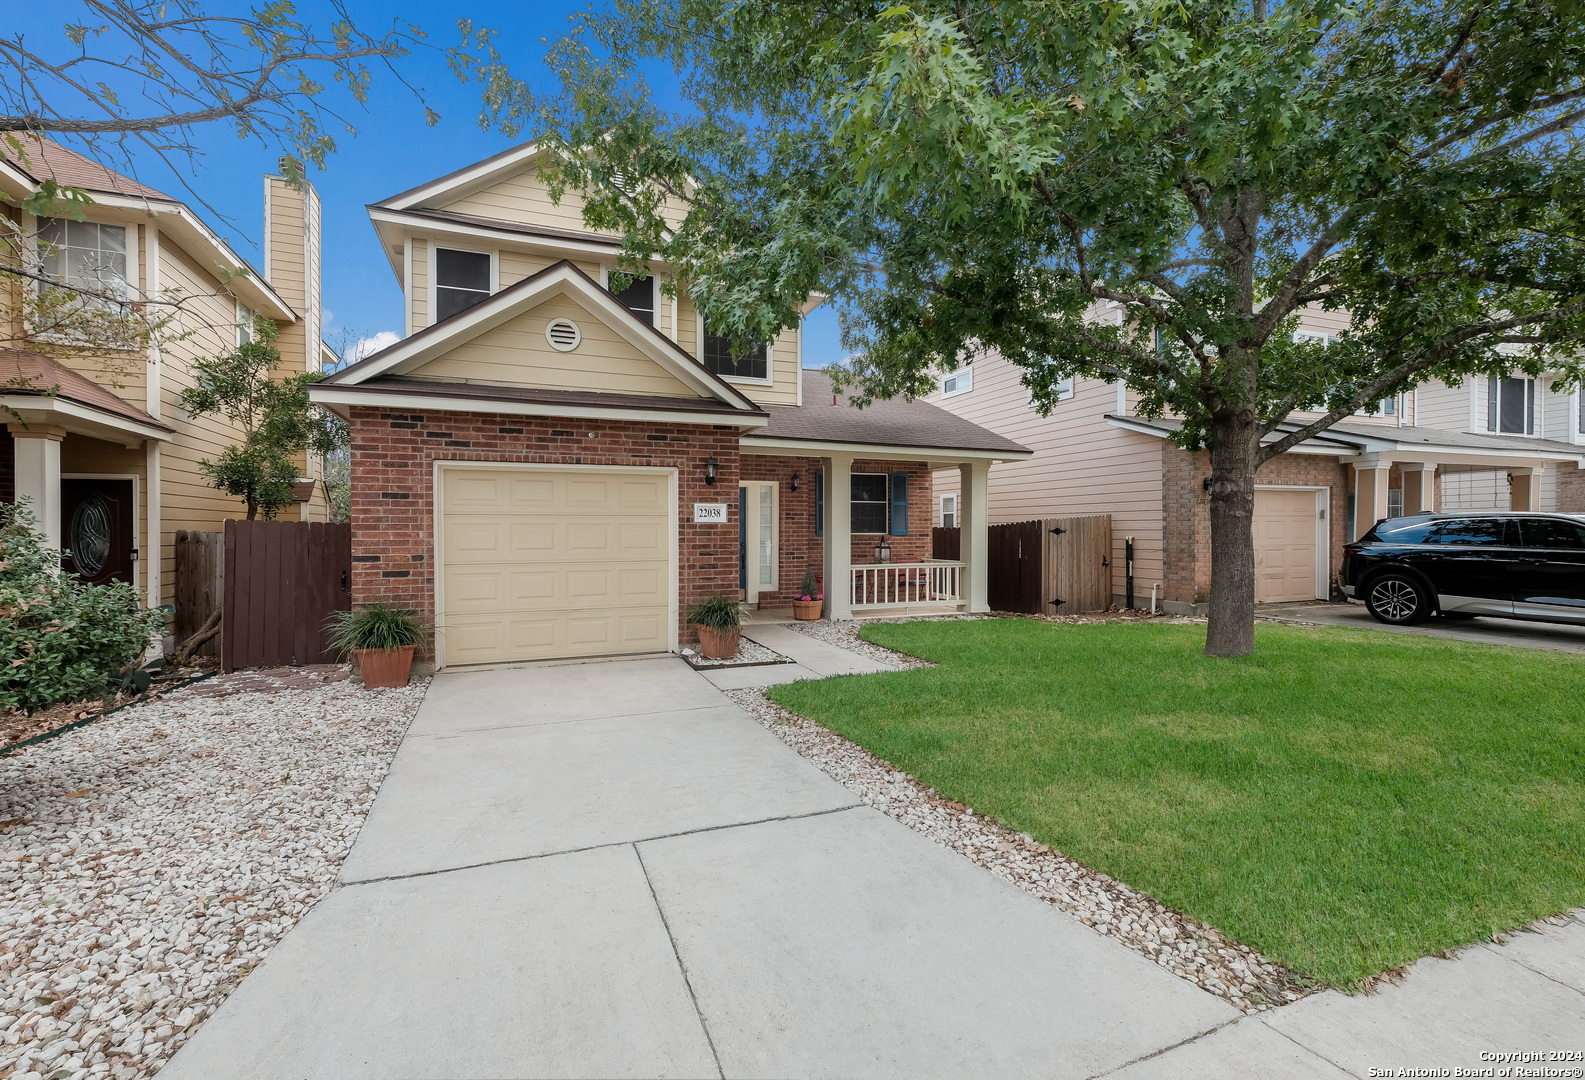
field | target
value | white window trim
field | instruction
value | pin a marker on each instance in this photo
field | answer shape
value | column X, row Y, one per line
column 886, row 530
column 752, row 587
column 33, row 225
column 962, row 374
column 431, row 316
column 607, row 269
column 1029, row 398
column 770, row 356
column 941, row 513
column 1536, row 414
column 245, row 317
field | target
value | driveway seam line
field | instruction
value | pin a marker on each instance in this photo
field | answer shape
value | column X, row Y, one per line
column 1165, row 1049
column 682, row 968
column 573, row 720
column 1310, row 1050
column 1496, row 950
column 599, row 847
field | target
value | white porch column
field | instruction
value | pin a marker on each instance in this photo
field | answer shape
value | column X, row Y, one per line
column 1370, row 496
column 149, row 555
column 974, row 506
column 1419, row 487
column 1523, row 485
column 838, row 526
column 38, row 475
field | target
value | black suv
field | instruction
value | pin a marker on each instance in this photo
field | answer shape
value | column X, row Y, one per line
column 1517, row 566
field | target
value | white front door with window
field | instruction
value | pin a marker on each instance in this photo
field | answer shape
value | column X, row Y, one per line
column 757, row 532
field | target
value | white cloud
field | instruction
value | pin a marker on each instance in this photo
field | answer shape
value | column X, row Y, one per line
column 327, row 318
column 370, row 345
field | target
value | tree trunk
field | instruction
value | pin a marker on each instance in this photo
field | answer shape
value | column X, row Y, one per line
column 253, row 510
column 1231, row 631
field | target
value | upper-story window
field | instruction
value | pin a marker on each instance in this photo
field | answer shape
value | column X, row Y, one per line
column 1384, row 407
column 1510, row 405
column 960, row 381
column 639, row 298
column 245, row 318
column 86, row 254
column 462, row 279
column 749, row 363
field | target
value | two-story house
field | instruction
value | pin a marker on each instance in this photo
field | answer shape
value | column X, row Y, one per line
column 553, row 469
column 96, row 439
column 1512, row 443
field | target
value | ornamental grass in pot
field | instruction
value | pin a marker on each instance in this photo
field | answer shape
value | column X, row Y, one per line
column 719, row 621
column 809, row 601
column 382, row 638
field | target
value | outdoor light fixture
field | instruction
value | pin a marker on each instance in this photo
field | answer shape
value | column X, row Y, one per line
column 883, row 551
column 710, row 466
column 795, row 481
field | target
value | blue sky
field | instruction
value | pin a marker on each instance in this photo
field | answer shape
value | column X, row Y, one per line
column 394, row 150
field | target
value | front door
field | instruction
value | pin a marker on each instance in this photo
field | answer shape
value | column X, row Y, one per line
column 757, row 539
column 96, row 529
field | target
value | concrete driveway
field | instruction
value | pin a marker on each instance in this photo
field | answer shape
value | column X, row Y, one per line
column 610, row 870
column 1525, row 635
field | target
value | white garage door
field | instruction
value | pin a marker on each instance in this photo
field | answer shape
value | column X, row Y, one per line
column 1285, row 555
column 539, row 564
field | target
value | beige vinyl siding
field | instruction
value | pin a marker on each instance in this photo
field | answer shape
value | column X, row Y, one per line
column 1081, row 465
column 518, row 354
column 785, row 358
column 1442, row 406
column 523, row 198
column 418, row 287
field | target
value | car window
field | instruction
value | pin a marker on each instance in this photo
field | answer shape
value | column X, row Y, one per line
column 1487, row 532
column 1402, row 531
column 1552, row 533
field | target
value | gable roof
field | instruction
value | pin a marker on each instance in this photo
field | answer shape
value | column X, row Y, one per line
column 557, row 279
column 466, row 180
column 826, row 416
column 30, row 374
column 47, row 160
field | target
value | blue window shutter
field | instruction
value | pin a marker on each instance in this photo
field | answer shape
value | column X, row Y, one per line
column 899, row 504
column 820, row 502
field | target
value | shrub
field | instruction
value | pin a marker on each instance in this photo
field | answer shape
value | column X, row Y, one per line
column 375, row 626
column 810, row 588
column 720, row 612
column 61, row 639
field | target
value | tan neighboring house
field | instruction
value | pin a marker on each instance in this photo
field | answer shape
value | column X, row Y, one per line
column 1485, row 444
column 98, row 441
column 553, row 469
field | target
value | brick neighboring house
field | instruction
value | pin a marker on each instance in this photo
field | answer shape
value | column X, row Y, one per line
column 551, row 469
column 97, row 441
column 1485, row 444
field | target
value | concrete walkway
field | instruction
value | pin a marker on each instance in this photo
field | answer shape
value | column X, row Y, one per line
column 813, row 659
column 610, row 870
column 1525, row 635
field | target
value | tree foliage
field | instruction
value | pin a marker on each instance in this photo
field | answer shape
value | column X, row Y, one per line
column 278, row 421
column 1148, row 192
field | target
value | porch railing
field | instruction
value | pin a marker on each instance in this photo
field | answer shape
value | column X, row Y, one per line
column 922, row 584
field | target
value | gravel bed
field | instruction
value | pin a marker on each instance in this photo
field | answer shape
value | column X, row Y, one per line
column 748, row 653
column 148, row 862
column 1188, row 949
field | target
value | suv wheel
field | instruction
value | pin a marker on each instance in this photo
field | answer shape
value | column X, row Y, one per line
column 1397, row 599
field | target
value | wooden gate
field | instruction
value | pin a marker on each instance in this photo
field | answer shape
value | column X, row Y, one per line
column 282, row 580
column 946, row 544
column 200, row 566
column 1015, row 571
column 1050, row 566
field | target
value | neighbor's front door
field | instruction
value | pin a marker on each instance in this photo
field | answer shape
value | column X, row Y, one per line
column 757, row 539
column 96, row 529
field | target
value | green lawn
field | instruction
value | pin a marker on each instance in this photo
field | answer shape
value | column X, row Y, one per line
column 1344, row 801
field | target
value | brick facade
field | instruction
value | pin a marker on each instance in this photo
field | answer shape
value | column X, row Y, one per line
column 1186, row 515
column 1570, row 489
column 800, row 549
column 393, row 504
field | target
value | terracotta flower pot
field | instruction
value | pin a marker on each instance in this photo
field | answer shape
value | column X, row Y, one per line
column 385, row 667
column 807, row 610
column 719, row 643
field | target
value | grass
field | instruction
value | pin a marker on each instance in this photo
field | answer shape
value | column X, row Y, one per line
column 1344, row 801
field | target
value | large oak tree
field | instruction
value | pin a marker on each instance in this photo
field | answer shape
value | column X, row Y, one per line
column 962, row 176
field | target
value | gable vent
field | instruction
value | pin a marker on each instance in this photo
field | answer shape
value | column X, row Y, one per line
column 563, row 334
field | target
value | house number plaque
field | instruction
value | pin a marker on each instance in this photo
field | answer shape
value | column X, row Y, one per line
column 709, row 513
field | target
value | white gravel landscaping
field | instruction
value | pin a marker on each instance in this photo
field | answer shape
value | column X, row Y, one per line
column 149, row 861
column 1189, row 949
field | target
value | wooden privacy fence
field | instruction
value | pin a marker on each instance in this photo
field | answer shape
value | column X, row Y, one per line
column 1051, row 566
column 200, row 583
column 282, row 580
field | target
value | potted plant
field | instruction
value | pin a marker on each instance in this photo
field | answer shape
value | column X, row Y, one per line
column 809, row 601
column 720, row 624
column 382, row 638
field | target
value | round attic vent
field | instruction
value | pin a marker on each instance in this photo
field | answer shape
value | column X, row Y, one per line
column 563, row 334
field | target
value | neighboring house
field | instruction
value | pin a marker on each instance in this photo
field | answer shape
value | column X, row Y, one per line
column 1484, row 444
column 98, row 441
column 554, row 470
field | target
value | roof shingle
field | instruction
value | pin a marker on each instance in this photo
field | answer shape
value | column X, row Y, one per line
column 34, row 374
column 48, row 160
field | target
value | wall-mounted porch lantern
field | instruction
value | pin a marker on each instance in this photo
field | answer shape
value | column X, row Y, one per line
column 883, row 551
column 795, row 481
column 710, row 467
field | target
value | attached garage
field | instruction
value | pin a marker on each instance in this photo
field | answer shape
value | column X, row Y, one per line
column 543, row 561
column 1290, row 543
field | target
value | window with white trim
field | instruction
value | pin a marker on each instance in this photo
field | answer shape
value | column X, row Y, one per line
column 1385, row 407
column 462, row 279
column 732, row 359
column 85, row 254
column 870, row 502
column 638, row 297
column 1510, row 405
column 1063, row 388
column 245, row 317
column 949, row 511
column 960, row 381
